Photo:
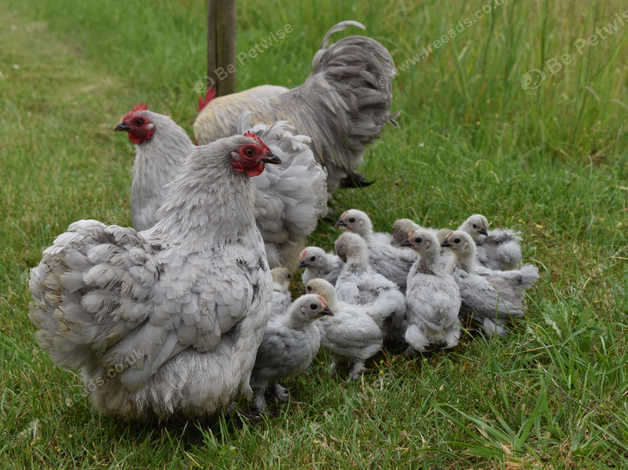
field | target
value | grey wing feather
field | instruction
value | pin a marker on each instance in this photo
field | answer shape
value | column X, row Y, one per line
column 351, row 334
column 91, row 289
column 283, row 352
column 501, row 250
column 496, row 294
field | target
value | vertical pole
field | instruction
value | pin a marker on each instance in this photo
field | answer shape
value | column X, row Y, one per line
column 221, row 31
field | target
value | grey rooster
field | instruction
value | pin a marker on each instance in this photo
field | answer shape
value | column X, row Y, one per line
column 343, row 105
column 164, row 322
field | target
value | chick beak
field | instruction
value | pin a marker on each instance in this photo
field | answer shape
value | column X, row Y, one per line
column 302, row 264
column 270, row 158
column 445, row 243
column 483, row 231
column 343, row 258
column 405, row 242
column 123, row 126
column 341, row 223
column 327, row 312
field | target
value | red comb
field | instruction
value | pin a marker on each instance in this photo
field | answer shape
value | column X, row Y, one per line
column 137, row 107
column 257, row 138
column 210, row 94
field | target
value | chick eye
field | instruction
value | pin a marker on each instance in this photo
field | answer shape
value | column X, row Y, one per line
column 457, row 240
column 313, row 306
column 417, row 240
column 313, row 258
column 475, row 226
column 351, row 219
column 249, row 152
column 309, row 288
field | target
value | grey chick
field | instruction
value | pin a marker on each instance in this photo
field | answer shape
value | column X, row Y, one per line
column 402, row 228
column 281, row 291
column 390, row 261
column 400, row 231
column 351, row 335
column 492, row 297
column 319, row 265
column 290, row 343
column 496, row 249
column 433, row 297
column 359, row 284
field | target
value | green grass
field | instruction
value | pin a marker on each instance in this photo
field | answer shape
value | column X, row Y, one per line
column 550, row 161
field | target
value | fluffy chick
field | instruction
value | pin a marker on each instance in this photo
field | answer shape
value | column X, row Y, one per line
column 492, row 297
column 433, row 297
column 388, row 260
column 400, row 230
column 351, row 335
column 281, row 291
column 404, row 227
column 359, row 284
column 319, row 265
column 496, row 249
column 290, row 343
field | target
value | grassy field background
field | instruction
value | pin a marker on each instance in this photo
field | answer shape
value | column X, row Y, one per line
column 477, row 134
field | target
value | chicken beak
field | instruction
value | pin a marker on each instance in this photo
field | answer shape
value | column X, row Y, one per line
column 302, row 264
column 270, row 158
column 483, row 231
column 123, row 126
column 327, row 312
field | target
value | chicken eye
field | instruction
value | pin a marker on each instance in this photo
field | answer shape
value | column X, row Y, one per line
column 313, row 306
column 457, row 240
column 351, row 220
column 249, row 152
column 313, row 258
column 138, row 122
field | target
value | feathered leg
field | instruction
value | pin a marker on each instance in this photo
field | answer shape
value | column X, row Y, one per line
column 492, row 327
column 416, row 339
column 356, row 370
column 354, row 180
column 281, row 393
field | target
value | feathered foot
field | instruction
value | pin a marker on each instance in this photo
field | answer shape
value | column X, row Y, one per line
column 332, row 368
column 356, row 370
column 281, row 393
column 260, row 403
column 452, row 337
column 354, row 180
column 493, row 327
column 416, row 339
